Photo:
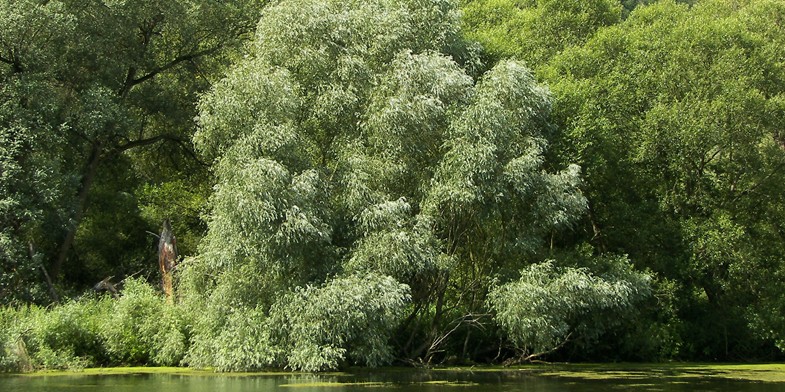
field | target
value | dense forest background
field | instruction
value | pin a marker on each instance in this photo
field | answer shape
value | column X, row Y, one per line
column 391, row 181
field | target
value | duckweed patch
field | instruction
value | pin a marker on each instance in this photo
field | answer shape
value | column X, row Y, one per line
column 337, row 384
column 177, row 371
column 675, row 373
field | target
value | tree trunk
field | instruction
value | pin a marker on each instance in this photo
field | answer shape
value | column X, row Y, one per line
column 81, row 204
column 49, row 284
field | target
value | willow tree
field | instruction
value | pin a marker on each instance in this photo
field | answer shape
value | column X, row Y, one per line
column 355, row 144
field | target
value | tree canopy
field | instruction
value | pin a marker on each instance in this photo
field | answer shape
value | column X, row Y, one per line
column 391, row 181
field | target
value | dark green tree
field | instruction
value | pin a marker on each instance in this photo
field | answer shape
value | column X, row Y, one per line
column 98, row 98
column 676, row 116
column 535, row 30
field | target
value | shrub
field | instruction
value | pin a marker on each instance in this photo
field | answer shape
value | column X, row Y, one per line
column 13, row 353
column 62, row 337
column 143, row 329
column 349, row 317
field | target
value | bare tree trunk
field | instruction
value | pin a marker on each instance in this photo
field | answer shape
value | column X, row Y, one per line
column 81, row 204
column 49, row 284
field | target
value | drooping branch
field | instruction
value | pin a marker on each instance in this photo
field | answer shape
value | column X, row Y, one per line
column 473, row 320
column 533, row 356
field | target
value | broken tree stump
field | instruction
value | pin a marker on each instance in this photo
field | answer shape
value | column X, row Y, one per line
column 167, row 259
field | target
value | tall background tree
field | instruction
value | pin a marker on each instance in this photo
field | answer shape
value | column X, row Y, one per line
column 676, row 116
column 535, row 30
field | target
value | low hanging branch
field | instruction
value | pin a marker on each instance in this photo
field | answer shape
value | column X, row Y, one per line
column 525, row 357
column 469, row 320
column 167, row 258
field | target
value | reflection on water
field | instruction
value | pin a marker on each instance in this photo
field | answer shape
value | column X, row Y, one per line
column 381, row 381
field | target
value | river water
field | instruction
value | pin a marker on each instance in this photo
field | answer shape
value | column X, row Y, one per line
column 398, row 381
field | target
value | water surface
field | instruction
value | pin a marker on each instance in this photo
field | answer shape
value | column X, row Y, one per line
column 394, row 380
